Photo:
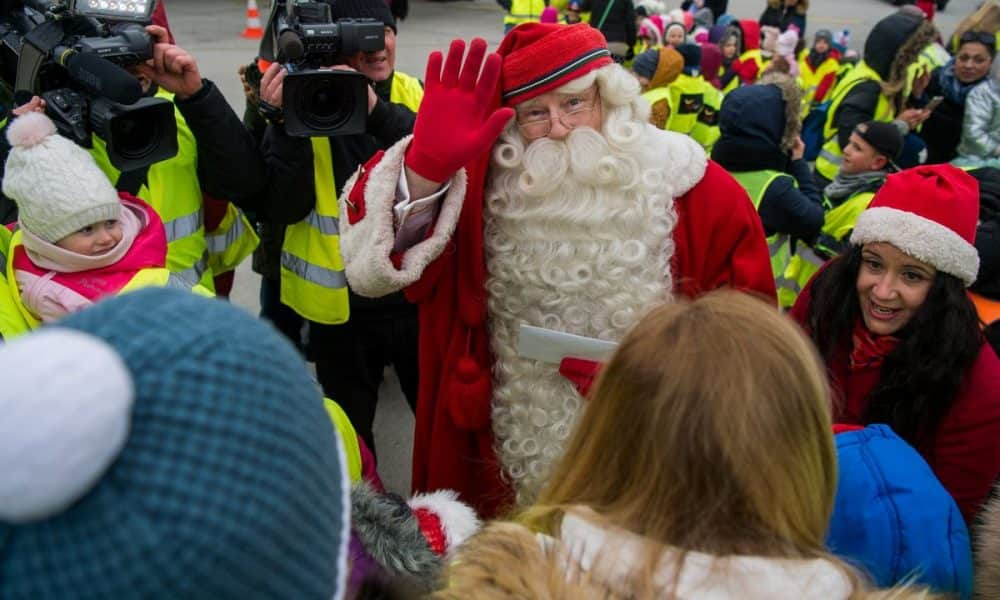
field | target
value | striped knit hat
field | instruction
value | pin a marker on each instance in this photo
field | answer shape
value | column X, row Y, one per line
column 164, row 445
column 930, row 213
column 540, row 57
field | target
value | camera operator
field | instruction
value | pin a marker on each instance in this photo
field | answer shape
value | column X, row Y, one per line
column 211, row 141
column 305, row 176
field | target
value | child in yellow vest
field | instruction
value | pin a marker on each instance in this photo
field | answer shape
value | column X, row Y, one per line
column 78, row 240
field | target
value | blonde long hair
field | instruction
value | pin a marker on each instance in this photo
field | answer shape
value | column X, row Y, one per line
column 709, row 430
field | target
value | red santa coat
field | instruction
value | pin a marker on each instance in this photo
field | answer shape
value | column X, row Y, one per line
column 719, row 242
column 965, row 452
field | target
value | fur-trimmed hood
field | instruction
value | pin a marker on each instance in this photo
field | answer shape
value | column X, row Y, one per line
column 894, row 44
column 987, row 536
column 759, row 124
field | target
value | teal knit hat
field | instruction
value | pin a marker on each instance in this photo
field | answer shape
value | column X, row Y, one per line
column 163, row 445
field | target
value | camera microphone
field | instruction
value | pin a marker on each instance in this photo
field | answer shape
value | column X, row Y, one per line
column 290, row 47
column 100, row 77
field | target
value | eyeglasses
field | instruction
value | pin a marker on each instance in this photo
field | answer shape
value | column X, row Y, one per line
column 987, row 39
column 535, row 121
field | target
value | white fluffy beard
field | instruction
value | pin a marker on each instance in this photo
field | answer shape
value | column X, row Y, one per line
column 578, row 240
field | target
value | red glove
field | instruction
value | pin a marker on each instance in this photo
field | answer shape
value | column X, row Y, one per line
column 455, row 123
column 580, row 372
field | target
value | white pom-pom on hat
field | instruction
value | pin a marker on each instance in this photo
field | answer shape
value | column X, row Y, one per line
column 30, row 130
column 66, row 406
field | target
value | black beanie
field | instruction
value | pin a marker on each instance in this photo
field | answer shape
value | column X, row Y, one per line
column 645, row 64
column 882, row 136
column 692, row 57
column 362, row 9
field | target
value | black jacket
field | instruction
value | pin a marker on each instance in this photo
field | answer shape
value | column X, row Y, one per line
column 289, row 161
column 782, row 16
column 988, row 232
column 752, row 122
column 619, row 26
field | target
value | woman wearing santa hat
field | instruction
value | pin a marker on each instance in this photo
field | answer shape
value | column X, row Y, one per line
column 900, row 336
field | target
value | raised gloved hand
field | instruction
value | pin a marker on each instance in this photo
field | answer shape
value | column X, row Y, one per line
column 456, row 121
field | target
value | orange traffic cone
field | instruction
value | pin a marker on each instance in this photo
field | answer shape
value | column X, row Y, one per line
column 253, row 31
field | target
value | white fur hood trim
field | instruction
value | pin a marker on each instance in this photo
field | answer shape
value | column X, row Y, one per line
column 458, row 520
column 610, row 555
column 366, row 245
column 683, row 160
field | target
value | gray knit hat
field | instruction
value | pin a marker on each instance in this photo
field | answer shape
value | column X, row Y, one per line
column 56, row 184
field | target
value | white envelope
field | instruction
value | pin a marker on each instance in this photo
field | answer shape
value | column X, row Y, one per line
column 551, row 346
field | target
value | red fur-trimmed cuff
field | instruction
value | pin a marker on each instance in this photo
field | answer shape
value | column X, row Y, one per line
column 368, row 234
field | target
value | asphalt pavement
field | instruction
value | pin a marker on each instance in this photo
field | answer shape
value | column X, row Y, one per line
column 210, row 30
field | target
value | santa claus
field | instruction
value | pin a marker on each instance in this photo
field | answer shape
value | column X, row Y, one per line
column 533, row 192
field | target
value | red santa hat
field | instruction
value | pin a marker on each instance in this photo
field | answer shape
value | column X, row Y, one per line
column 930, row 213
column 540, row 57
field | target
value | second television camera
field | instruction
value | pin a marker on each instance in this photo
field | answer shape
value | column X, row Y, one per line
column 304, row 37
column 73, row 53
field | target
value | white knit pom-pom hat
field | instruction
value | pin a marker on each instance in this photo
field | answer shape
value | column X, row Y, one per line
column 56, row 184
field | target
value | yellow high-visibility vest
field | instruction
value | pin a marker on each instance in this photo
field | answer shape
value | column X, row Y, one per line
column 12, row 322
column 173, row 190
column 837, row 225
column 151, row 277
column 231, row 242
column 832, row 155
column 756, row 184
column 313, row 283
column 524, row 11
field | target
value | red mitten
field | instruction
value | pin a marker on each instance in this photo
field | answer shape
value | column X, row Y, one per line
column 747, row 72
column 457, row 121
column 581, row 372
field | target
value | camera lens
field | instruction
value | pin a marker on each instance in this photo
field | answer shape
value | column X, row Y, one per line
column 324, row 104
column 135, row 135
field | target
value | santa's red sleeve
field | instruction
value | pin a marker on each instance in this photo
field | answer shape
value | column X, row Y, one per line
column 719, row 240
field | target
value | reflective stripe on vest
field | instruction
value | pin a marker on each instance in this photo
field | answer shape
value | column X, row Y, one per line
column 756, row 184
column 231, row 242
column 313, row 283
column 837, row 224
column 524, row 11
column 173, row 190
column 829, row 159
column 810, row 79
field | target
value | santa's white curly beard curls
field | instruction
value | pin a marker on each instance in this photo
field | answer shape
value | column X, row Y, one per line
column 578, row 239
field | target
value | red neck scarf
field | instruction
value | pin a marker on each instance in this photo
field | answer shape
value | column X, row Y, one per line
column 867, row 349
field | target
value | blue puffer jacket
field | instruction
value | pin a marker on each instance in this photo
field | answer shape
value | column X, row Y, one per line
column 893, row 518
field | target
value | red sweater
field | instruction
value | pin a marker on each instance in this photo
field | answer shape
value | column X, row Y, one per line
column 719, row 242
column 965, row 452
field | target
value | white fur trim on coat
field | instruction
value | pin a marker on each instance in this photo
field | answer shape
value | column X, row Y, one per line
column 921, row 238
column 458, row 520
column 366, row 245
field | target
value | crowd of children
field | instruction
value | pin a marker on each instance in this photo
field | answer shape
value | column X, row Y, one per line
column 161, row 444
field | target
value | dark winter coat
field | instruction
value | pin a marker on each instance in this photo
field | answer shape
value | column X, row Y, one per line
column 619, row 26
column 894, row 43
column 778, row 15
column 758, row 128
